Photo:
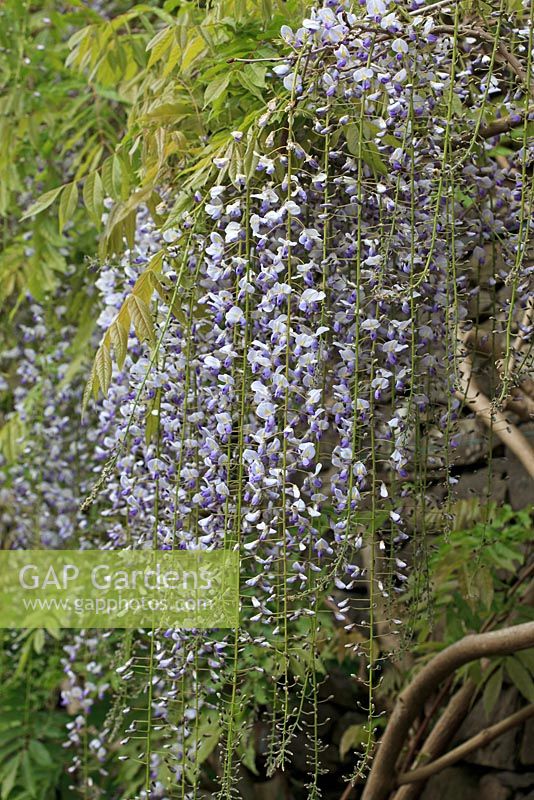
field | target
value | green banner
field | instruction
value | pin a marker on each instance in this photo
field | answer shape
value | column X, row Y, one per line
column 119, row 589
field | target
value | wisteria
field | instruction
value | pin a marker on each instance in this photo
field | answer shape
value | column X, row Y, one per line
column 299, row 390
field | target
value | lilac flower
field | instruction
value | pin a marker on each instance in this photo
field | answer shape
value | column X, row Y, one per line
column 308, row 237
column 235, row 316
column 293, row 83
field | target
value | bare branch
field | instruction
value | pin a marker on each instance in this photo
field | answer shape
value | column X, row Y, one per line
column 497, row 127
column 458, row 706
column 469, row 392
column 515, row 66
column 524, row 327
column 505, row 124
column 441, row 734
column 480, row 740
column 485, row 36
column 521, row 404
column 381, row 779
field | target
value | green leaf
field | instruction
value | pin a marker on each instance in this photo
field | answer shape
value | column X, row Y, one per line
column 216, row 88
column 117, row 171
column 38, row 640
column 352, row 134
column 40, row 754
column 28, row 774
column 251, row 157
column 267, row 10
column 245, row 81
column 93, row 196
column 10, row 774
column 372, row 157
column 520, row 677
column 482, row 584
column 43, row 202
column 506, row 557
column 352, row 738
column 235, row 167
column 247, row 752
column 492, row 690
column 67, row 204
column 256, row 74
column 207, row 744
column 112, row 176
column 9, row 746
column 526, row 657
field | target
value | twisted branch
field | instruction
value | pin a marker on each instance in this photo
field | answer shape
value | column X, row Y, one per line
column 480, row 740
column 441, row 734
column 382, row 777
column 469, row 392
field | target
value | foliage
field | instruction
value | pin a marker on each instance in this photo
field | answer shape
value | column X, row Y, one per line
column 42, row 146
column 471, row 573
column 176, row 71
column 32, row 728
column 134, row 79
column 478, row 578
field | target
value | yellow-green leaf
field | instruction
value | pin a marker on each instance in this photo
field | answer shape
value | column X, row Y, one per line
column 11, row 438
column 42, row 202
column 112, row 175
column 10, row 775
column 193, row 49
column 152, row 417
column 119, row 339
column 159, row 45
column 142, row 319
column 167, row 295
column 88, row 390
column 215, row 89
column 172, row 59
column 102, row 368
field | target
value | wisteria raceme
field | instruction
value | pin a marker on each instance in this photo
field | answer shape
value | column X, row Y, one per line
column 306, row 361
column 40, row 491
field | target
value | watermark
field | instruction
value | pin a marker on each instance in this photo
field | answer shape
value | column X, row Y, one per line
column 119, row 589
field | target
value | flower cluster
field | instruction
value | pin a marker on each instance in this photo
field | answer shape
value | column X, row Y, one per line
column 47, row 470
column 308, row 340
